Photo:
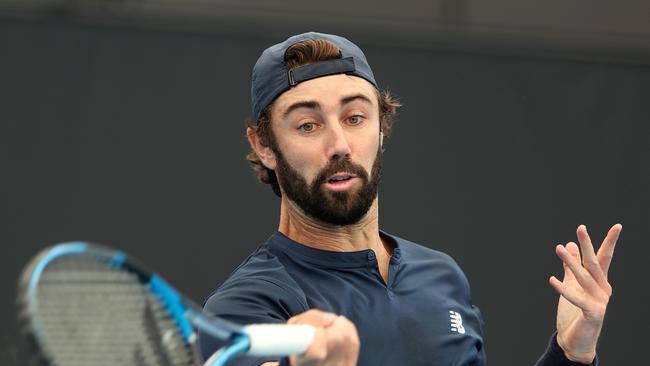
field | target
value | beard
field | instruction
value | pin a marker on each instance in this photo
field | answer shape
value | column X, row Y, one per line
column 332, row 207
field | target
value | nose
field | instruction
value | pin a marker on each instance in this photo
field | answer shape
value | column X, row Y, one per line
column 338, row 144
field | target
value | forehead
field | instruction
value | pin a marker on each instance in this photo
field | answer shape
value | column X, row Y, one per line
column 327, row 91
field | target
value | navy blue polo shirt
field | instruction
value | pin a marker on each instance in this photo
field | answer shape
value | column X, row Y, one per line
column 422, row 316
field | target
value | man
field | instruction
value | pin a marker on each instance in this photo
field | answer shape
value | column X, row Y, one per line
column 376, row 299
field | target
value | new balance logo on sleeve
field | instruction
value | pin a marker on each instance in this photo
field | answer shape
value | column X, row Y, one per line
column 456, row 322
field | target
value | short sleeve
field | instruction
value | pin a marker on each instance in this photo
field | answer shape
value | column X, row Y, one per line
column 249, row 301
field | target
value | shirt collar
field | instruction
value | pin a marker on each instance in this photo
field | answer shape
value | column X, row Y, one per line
column 326, row 258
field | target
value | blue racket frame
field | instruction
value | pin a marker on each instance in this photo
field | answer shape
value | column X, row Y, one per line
column 187, row 318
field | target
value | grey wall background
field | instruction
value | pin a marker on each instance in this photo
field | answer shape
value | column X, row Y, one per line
column 132, row 136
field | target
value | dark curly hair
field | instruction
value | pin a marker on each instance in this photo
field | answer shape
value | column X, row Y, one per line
column 305, row 53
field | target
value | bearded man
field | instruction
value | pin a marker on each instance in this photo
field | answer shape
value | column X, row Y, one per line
column 319, row 122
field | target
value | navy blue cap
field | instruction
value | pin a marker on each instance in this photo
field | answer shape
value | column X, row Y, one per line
column 271, row 76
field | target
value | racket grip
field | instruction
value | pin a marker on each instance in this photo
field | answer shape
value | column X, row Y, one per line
column 279, row 339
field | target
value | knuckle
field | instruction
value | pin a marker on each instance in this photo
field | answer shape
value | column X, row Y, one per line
column 312, row 316
column 347, row 321
column 353, row 340
column 609, row 290
column 319, row 354
column 312, row 312
column 297, row 319
column 349, row 335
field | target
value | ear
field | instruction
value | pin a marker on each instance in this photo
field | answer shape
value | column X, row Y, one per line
column 265, row 153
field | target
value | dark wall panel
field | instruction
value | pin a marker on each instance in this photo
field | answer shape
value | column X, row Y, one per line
column 135, row 139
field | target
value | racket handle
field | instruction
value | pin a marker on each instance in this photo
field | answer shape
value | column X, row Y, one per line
column 279, row 339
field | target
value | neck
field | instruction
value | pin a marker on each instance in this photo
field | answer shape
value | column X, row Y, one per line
column 300, row 227
column 363, row 235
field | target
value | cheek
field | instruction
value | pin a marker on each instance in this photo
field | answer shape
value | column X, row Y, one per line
column 304, row 163
column 370, row 153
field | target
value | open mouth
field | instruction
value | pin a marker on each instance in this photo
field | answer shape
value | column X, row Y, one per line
column 341, row 182
column 339, row 178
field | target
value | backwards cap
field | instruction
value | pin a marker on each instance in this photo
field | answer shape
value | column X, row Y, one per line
column 271, row 76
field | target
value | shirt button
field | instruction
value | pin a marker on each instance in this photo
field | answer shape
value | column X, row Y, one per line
column 371, row 255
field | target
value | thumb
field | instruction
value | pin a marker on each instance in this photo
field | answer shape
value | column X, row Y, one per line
column 314, row 317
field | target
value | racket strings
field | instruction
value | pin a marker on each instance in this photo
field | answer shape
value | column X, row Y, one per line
column 92, row 313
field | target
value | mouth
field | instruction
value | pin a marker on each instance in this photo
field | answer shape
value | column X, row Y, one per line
column 340, row 181
column 340, row 177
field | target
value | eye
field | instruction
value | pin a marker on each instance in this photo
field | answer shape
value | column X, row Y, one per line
column 355, row 120
column 307, row 127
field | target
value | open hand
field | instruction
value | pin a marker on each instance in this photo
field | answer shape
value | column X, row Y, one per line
column 585, row 293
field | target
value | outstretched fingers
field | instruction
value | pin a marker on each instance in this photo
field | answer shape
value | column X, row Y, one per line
column 584, row 292
column 572, row 294
column 589, row 259
column 570, row 256
column 606, row 250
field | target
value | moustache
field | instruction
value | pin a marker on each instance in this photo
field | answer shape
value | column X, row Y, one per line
column 337, row 166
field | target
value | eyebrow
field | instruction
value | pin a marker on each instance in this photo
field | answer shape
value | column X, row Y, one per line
column 304, row 104
column 312, row 104
column 352, row 98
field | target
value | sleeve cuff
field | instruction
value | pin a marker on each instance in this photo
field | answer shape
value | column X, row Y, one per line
column 554, row 356
column 284, row 362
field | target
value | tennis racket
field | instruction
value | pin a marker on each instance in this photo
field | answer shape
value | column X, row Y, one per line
column 85, row 304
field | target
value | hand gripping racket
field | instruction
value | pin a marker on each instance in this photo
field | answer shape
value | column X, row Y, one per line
column 82, row 304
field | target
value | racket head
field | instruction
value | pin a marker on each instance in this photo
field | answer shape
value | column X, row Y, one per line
column 84, row 304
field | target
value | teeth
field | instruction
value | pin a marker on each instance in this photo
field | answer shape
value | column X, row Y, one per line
column 338, row 179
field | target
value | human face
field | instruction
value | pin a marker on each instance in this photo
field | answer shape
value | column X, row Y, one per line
column 327, row 146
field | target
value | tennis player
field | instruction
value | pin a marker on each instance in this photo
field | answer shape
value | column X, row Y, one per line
column 319, row 123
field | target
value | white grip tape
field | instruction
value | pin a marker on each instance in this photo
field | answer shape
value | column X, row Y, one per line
column 279, row 339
